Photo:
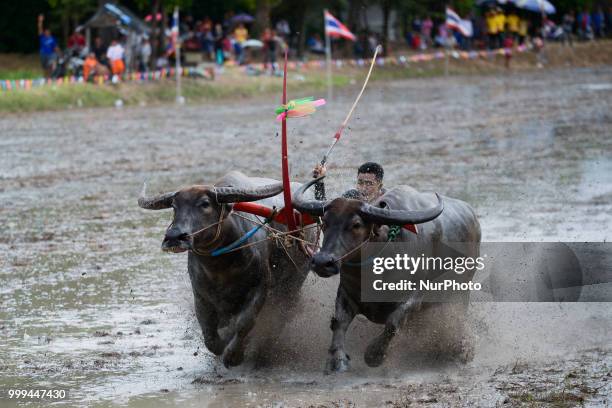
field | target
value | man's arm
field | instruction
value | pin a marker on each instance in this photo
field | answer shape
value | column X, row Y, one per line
column 41, row 18
column 319, row 187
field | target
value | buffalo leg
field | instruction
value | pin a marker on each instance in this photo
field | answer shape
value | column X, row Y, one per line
column 209, row 322
column 377, row 350
column 338, row 360
column 243, row 323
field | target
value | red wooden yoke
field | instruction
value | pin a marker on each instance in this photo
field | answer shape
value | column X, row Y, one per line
column 281, row 217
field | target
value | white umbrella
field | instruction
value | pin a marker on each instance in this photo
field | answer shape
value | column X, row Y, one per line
column 535, row 5
column 252, row 44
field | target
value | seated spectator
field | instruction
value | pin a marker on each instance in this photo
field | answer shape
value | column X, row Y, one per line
column 76, row 42
column 315, row 45
column 99, row 49
column 92, row 68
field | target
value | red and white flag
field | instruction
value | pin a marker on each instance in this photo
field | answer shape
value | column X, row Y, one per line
column 334, row 28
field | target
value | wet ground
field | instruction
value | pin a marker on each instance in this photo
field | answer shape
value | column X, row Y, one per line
column 89, row 303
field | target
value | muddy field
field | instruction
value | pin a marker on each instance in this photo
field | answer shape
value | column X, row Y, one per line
column 89, row 303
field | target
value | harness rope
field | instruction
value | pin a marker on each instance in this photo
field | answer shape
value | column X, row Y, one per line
column 394, row 232
column 238, row 244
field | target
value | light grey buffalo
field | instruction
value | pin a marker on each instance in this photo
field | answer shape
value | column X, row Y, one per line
column 229, row 290
column 348, row 223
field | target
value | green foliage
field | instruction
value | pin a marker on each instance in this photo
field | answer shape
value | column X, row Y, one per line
column 73, row 9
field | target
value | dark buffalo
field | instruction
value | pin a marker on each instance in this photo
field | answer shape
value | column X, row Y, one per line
column 229, row 290
column 348, row 223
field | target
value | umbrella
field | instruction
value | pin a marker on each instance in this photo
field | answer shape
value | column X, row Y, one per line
column 535, row 5
column 252, row 43
column 531, row 5
column 242, row 18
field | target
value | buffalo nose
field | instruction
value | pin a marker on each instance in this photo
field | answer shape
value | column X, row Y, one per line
column 324, row 265
column 174, row 234
column 323, row 259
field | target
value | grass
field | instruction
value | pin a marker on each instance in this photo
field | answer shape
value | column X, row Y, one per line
column 233, row 83
column 19, row 66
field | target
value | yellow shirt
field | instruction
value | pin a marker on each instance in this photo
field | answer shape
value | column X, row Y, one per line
column 522, row 28
column 501, row 22
column 513, row 23
column 491, row 24
column 241, row 34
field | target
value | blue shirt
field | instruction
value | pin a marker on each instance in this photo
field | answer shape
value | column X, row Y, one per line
column 47, row 44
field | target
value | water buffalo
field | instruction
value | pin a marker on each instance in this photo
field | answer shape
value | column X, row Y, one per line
column 229, row 290
column 347, row 224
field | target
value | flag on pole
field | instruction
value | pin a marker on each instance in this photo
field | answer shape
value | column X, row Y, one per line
column 454, row 22
column 334, row 28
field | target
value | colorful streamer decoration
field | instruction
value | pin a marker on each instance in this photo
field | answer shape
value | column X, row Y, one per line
column 298, row 108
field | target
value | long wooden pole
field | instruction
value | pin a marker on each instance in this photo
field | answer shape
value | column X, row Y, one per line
column 285, row 159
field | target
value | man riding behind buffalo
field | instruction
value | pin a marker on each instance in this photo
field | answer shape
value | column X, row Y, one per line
column 369, row 182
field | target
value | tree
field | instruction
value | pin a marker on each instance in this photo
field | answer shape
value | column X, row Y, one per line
column 70, row 12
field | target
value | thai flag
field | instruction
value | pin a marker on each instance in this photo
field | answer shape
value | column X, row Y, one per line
column 453, row 21
column 334, row 28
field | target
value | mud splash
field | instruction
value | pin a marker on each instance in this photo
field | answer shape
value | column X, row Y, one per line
column 91, row 305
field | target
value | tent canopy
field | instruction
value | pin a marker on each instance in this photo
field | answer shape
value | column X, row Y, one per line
column 113, row 15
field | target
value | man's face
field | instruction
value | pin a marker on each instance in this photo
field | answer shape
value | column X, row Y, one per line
column 368, row 185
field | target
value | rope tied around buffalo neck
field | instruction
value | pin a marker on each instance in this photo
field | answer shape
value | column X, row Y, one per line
column 218, row 224
column 274, row 234
column 392, row 234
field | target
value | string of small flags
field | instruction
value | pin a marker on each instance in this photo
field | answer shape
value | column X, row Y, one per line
column 401, row 60
column 12, row 84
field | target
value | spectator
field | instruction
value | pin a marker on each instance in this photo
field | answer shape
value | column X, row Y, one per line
column 568, row 25
column 598, row 23
column 372, row 43
column 90, row 65
column 491, row 28
column 241, row 34
column 144, row 55
column 76, row 42
column 315, row 45
column 523, row 30
column 115, row 55
column 269, row 40
column 283, row 30
column 512, row 24
column 48, row 46
column 426, row 28
column 100, row 50
column 584, row 25
column 500, row 19
column 219, row 44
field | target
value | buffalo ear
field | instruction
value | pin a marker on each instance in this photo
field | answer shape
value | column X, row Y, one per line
column 377, row 229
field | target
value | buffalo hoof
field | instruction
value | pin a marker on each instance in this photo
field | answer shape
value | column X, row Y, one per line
column 215, row 345
column 375, row 354
column 336, row 364
column 233, row 356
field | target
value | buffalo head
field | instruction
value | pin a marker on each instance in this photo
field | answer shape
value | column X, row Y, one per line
column 348, row 223
column 199, row 212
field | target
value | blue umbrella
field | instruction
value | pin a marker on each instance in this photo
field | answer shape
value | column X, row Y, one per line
column 535, row 5
column 242, row 18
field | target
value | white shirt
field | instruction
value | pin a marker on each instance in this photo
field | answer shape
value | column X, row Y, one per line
column 115, row 52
